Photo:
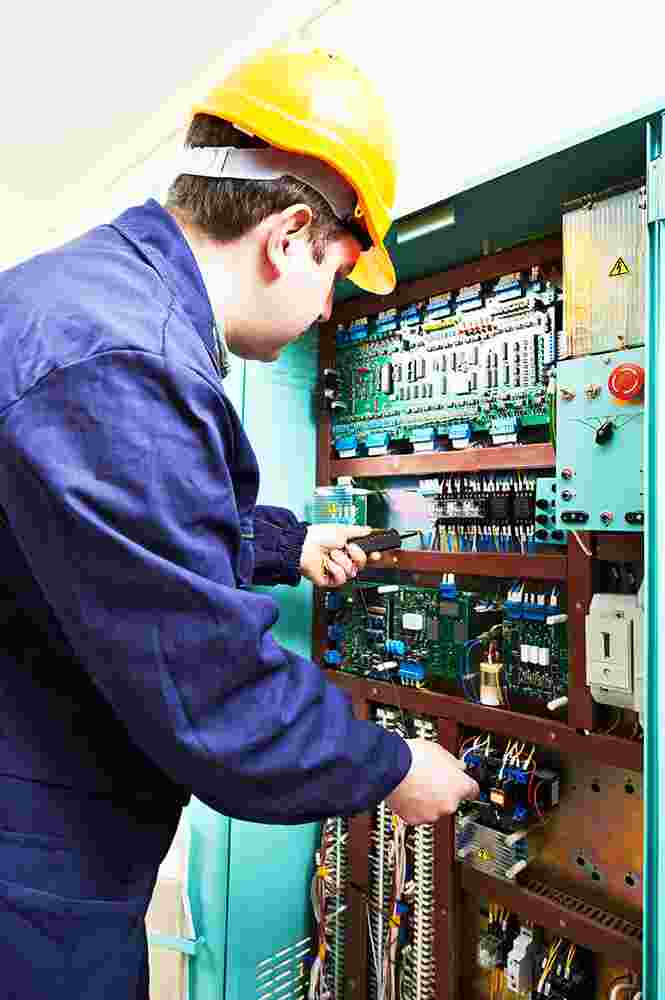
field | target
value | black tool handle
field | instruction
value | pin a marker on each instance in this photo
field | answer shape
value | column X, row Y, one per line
column 379, row 541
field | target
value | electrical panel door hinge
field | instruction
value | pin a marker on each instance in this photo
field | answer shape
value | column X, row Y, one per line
column 656, row 190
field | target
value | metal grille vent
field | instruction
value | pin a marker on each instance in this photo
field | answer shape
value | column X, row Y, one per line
column 284, row 976
column 602, row 917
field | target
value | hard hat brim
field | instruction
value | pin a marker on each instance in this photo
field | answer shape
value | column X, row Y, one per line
column 374, row 271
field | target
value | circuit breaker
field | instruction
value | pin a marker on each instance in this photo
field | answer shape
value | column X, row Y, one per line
column 614, row 650
column 600, row 442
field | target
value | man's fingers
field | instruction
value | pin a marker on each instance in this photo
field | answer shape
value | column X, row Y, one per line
column 336, row 575
column 343, row 560
column 357, row 555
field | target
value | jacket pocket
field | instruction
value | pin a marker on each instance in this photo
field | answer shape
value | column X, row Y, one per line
column 60, row 945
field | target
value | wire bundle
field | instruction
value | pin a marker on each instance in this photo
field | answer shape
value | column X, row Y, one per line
column 327, row 895
column 418, row 965
column 402, row 956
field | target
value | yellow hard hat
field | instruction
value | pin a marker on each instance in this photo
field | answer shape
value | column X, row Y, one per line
column 316, row 103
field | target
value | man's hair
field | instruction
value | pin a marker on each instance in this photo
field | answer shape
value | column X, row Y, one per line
column 227, row 209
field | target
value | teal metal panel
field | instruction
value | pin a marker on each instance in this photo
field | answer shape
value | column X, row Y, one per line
column 604, row 478
column 269, row 911
column 208, row 892
column 654, row 879
column 280, row 421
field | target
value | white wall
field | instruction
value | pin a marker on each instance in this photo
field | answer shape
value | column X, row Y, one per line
column 94, row 99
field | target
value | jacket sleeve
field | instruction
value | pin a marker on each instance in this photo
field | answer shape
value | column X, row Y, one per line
column 278, row 542
column 118, row 490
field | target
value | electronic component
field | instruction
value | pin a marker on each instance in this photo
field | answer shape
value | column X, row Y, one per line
column 535, row 646
column 600, row 431
column 341, row 504
column 615, row 669
column 604, row 249
column 462, row 368
column 522, row 958
column 565, row 972
column 411, row 635
column 547, row 532
column 501, row 832
column 489, row 512
column 494, row 946
column 331, row 390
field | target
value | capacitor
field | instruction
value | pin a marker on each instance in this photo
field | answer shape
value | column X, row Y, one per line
column 387, row 379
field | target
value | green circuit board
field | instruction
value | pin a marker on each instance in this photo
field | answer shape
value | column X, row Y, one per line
column 417, row 380
column 408, row 634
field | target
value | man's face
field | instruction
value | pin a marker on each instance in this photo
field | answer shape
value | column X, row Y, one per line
column 306, row 293
column 298, row 293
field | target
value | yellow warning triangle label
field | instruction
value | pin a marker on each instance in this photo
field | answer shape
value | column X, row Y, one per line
column 619, row 268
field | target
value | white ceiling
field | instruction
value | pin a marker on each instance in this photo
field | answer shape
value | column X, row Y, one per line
column 96, row 97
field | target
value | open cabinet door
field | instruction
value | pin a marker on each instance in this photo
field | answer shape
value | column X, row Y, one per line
column 654, row 939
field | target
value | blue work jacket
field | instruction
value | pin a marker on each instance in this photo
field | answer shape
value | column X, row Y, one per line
column 137, row 666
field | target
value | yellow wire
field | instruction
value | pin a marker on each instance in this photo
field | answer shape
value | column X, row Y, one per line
column 569, row 959
column 551, row 957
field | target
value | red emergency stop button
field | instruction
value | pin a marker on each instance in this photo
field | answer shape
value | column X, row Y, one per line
column 626, row 381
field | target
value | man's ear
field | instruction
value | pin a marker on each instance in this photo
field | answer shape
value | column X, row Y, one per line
column 287, row 237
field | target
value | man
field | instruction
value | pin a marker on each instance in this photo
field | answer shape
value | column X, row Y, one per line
column 138, row 666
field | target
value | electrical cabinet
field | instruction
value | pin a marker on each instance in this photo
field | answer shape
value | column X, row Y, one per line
column 538, row 887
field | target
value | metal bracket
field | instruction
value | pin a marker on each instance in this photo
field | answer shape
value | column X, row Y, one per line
column 656, row 190
column 187, row 946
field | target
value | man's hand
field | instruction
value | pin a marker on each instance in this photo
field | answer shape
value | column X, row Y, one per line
column 328, row 558
column 434, row 786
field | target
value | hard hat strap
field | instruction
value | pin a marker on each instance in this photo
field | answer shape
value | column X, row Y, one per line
column 270, row 164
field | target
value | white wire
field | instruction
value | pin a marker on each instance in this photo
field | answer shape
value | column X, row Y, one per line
column 374, row 956
column 587, row 552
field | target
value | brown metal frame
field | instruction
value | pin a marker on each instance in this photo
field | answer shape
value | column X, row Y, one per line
column 457, row 886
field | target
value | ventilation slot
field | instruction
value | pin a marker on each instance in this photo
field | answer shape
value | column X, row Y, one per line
column 601, row 917
column 284, row 976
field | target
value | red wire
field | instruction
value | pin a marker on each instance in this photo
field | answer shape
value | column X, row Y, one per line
column 535, row 800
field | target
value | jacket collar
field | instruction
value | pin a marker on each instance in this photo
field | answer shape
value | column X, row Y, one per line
column 158, row 237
